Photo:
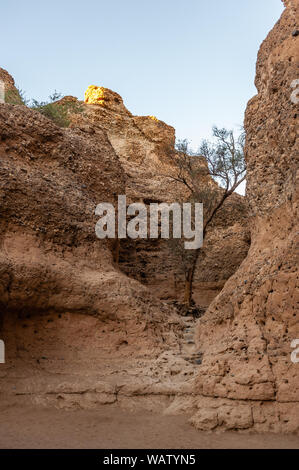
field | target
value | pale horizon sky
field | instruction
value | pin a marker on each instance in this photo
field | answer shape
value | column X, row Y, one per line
column 191, row 63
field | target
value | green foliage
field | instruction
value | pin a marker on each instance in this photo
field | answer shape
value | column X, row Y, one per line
column 16, row 96
column 58, row 112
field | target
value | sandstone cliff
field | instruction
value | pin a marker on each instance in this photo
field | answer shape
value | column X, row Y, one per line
column 247, row 379
column 12, row 94
column 145, row 147
column 65, row 308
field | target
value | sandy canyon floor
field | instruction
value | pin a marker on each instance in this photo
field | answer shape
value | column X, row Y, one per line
column 110, row 427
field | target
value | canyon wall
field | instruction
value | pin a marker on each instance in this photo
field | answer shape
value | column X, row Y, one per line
column 145, row 146
column 247, row 379
column 65, row 307
column 80, row 329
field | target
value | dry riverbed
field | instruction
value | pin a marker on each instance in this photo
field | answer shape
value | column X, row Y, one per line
column 110, row 427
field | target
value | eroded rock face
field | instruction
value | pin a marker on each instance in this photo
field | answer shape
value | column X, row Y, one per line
column 247, row 379
column 55, row 275
column 11, row 92
column 145, row 147
column 68, row 313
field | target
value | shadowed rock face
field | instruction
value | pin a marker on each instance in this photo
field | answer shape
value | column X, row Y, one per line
column 247, row 379
column 51, row 263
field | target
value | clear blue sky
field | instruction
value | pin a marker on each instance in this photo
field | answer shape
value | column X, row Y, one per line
column 191, row 63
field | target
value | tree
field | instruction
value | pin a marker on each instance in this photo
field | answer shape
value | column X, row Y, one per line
column 224, row 160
